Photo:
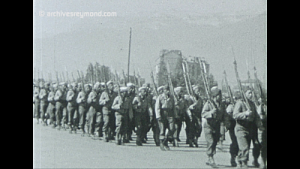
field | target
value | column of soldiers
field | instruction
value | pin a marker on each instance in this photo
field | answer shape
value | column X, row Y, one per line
column 114, row 113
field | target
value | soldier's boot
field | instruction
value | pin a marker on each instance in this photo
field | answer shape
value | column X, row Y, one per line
column 175, row 143
column 138, row 141
column 166, row 146
column 75, row 129
column 161, row 145
column 105, row 136
column 196, row 141
column 190, row 143
column 255, row 163
column 211, row 162
column 53, row 125
column 239, row 165
column 244, row 165
column 83, row 131
column 232, row 161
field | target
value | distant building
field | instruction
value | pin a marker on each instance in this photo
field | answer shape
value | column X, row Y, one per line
column 174, row 58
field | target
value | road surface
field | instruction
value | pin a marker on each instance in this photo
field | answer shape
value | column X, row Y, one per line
column 60, row 149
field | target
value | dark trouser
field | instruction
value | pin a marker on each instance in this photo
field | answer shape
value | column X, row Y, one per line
column 119, row 126
column 255, row 142
column 222, row 131
column 155, row 130
column 91, row 120
column 43, row 109
column 81, row 116
column 141, row 124
column 126, row 124
column 58, row 112
column 99, row 123
column 64, row 119
column 37, row 109
column 112, row 124
column 195, row 129
column 177, row 127
column 234, row 148
column 71, row 112
column 106, row 122
column 243, row 135
column 51, row 112
column 212, row 136
column 166, row 123
column 262, row 137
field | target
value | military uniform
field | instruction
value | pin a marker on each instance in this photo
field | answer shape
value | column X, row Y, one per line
column 262, row 135
column 244, row 128
column 43, row 96
column 213, row 112
column 60, row 106
column 36, row 103
column 93, row 104
column 51, row 105
column 71, row 107
column 164, row 110
column 120, row 105
column 81, row 101
column 131, row 119
column 143, row 109
column 106, row 99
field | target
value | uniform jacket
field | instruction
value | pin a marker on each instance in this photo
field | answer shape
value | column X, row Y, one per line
column 213, row 119
column 93, row 99
column 239, row 114
column 71, row 96
column 166, row 104
column 196, row 108
column 142, row 106
column 81, row 98
column 51, row 97
column 180, row 108
column 121, row 105
column 107, row 98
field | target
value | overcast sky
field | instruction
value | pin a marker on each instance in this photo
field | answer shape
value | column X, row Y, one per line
column 196, row 27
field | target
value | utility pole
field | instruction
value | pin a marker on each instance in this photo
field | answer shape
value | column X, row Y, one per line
column 129, row 56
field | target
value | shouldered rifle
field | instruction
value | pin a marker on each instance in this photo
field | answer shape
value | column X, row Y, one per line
column 262, row 95
column 170, row 84
column 185, row 80
column 152, row 77
column 73, row 77
column 228, row 88
column 118, row 83
column 239, row 83
column 205, row 83
column 57, row 79
column 124, row 77
column 251, row 87
column 82, row 83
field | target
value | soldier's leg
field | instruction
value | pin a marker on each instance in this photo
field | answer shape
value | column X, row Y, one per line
column 155, row 130
column 243, row 140
column 191, row 131
column 125, row 128
column 118, row 127
column 198, row 127
column 58, row 114
column 106, row 120
column 112, row 125
column 162, row 130
column 138, row 124
column 233, row 147
column 98, row 122
column 176, row 131
column 170, row 124
column 256, row 147
column 187, row 129
column 222, row 133
column 75, row 119
column 52, row 114
column 262, row 136
column 81, row 113
column 92, row 120
column 64, row 119
column 70, row 112
column 37, row 111
column 42, row 111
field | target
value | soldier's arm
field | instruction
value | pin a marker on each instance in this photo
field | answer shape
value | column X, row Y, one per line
column 103, row 98
column 50, row 96
column 150, row 111
column 116, row 105
column 91, row 97
column 135, row 103
column 70, row 95
column 237, row 111
column 207, row 112
column 36, row 92
column 80, row 97
column 58, row 95
column 157, row 107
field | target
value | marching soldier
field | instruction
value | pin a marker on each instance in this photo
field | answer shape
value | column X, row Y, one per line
column 36, row 102
column 99, row 115
column 131, row 123
column 142, row 108
column 43, row 96
column 121, row 112
column 164, row 109
column 262, row 135
column 213, row 111
column 246, row 121
column 154, row 123
column 194, row 118
column 233, row 149
column 71, row 106
column 179, row 112
column 51, row 104
column 93, row 104
column 60, row 105
column 81, row 101
column 106, row 100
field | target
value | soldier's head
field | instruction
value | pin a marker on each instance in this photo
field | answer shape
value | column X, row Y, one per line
column 160, row 90
column 87, row 87
column 248, row 92
column 96, row 87
column 41, row 84
column 102, row 86
column 216, row 93
column 63, row 86
column 115, row 88
column 167, row 90
column 47, row 85
column 179, row 91
column 79, row 88
column 124, row 91
column 110, row 85
column 131, row 88
column 142, row 91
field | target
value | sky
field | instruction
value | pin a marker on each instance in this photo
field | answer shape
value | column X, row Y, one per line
column 196, row 27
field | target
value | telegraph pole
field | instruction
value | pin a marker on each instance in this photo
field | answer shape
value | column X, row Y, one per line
column 129, row 56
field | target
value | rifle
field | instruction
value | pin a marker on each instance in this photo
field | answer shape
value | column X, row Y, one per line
column 239, row 82
column 57, row 79
column 82, row 82
column 63, row 75
column 262, row 95
column 73, row 77
column 205, row 83
column 152, row 77
column 185, row 79
column 228, row 88
column 118, row 83
column 251, row 87
column 124, row 77
column 170, row 84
